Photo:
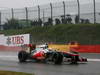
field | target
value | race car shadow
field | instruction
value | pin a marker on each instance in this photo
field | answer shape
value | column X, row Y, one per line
column 51, row 63
column 28, row 61
column 76, row 64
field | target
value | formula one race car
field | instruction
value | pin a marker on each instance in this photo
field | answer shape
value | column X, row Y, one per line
column 43, row 53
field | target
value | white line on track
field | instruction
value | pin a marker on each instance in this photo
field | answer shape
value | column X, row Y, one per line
column 7, row 56
column 10, row 57
column 93, row 59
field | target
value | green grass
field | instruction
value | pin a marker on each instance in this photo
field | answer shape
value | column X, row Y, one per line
column 13, row 73
column 64, row 33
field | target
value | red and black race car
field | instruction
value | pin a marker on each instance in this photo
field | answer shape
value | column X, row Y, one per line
column 43, row 53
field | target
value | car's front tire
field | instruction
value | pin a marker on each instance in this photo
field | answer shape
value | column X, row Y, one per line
column 22, row 56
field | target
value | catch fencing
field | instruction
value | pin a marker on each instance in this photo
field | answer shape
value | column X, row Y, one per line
column 54, row 13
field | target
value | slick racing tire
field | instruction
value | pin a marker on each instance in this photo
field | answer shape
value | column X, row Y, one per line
column 22, row 56
column 57, row 58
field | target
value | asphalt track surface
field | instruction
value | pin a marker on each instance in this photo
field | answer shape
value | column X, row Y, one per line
column 9, row 61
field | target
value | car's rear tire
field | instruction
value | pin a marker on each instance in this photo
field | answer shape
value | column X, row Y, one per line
column 57, row 58
column 22, row 56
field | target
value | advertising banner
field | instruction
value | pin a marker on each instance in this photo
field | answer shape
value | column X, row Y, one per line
column 15, row 40
column 59, row 47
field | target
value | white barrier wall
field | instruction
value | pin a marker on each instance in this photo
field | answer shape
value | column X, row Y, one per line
column 15, row 40
column 2, row 39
